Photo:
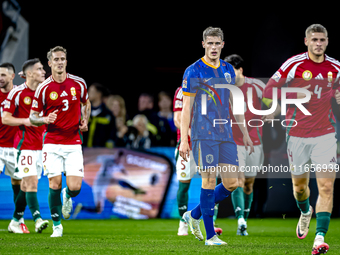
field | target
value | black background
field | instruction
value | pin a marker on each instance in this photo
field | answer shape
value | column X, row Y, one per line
column 133, row 47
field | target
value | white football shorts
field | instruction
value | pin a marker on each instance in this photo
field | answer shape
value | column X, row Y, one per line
column 7, row 161
column 60, row 158
column 185, row 170
column 250, row 164
column 312, row 152
column 28, row 163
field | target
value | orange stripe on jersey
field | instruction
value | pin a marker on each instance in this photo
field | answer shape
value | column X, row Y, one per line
column 189, row 94
column 215, row 67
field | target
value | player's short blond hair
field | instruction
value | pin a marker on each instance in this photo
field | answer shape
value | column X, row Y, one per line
column 212, row 31
column 55, row 49
column 316, row 28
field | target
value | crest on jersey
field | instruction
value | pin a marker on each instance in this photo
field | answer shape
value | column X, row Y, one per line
column 26, row 170
column 307, row 75
column 27, row 100
column 73, row 91
column 209, row 158
column 227, row 77
column 53, row 95
column 330, row 76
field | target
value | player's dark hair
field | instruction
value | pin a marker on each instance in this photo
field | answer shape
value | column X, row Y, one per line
column 212, row 31
column 316, row 28
column 235, row 60
column 9, row 66
column 29, row 63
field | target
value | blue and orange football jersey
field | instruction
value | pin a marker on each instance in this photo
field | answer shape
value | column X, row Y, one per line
column 210, row 102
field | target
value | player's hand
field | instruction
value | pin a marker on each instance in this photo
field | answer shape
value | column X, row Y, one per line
column 184, row 150
column 51, row 117
column 83, row 125
column 303, row 95
column 248, row 143
column 337, row 96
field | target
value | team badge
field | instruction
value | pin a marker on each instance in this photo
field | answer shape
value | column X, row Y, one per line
column 183, row 174
column 209, row 158
column 35, row 104
column 54, row 95
column 184, row 84
column 26, row 170
column 27, row 100
column 73, row 91
column 7, row 104
column 277, row 76
column 307, row 75
column 330, row 76
column 227, row 77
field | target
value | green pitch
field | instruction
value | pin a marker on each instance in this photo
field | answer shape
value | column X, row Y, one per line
column 267, row 236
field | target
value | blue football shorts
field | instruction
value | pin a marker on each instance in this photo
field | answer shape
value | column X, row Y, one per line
column 209, row 153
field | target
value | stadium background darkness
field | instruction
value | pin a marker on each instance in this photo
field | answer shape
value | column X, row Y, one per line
column 134, row 47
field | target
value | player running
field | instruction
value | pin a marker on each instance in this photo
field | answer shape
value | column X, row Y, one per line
column 212, row 145
column 27, row 142
column 242, row 197
column 7, row 160
column 312, row 142
column 185, row 169
column 60, row 97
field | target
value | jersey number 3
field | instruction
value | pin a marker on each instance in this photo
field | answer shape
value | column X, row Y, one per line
column 65, row 102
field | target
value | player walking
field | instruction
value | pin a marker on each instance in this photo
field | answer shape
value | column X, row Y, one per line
column 312, row 142
column 242, row 197
column 185, row 169
column 27, row 142
column 213, row 145
column 7, row 133
column 59, row 97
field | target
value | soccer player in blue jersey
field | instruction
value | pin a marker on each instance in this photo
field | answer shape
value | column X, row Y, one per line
column 206, row 105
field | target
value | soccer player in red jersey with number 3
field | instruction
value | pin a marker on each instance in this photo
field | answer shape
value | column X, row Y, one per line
column 311, row 141
column 59, row 97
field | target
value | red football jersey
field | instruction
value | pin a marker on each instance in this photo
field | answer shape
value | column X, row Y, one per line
column 177, row 106
column 7, row 133
column 323, row 78
column 19, row 103
column 255, row 133
column 66, row 98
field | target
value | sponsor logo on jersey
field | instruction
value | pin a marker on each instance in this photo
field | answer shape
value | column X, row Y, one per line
column 64, row 94
column 307, row 75
column 27, row 100
column 53, row 95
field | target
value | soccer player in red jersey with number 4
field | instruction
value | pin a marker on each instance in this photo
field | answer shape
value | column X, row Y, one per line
column 311, row 141
column 59, row 97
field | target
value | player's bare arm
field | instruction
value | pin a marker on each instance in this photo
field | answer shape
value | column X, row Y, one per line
column 184, row 148
column 86, row 112
column 36, row 120
column 8, row 119
column 177, row 119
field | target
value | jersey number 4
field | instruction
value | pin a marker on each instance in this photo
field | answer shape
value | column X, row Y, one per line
column 317, row 91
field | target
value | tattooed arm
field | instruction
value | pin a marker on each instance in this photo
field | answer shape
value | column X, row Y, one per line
column 36, row 120
column 85, row 112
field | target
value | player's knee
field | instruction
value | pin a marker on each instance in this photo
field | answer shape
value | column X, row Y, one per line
column 300, row 188
column 326, row 188
column 231, row 184
column 74, row 187
column 208, row 183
